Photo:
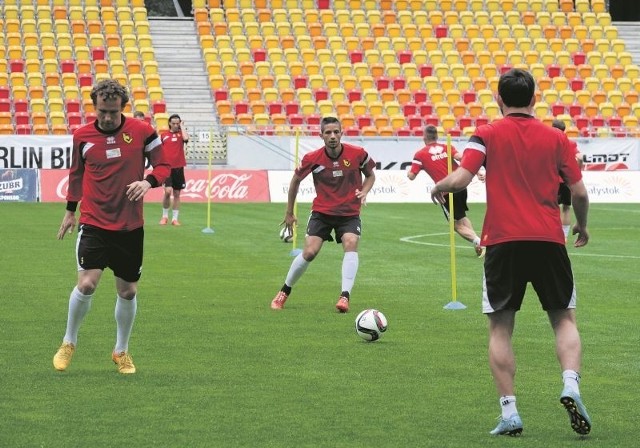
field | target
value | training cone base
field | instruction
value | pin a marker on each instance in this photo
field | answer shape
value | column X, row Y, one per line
column 455, row 306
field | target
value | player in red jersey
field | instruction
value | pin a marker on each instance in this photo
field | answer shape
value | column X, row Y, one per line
column 173, row 142
column 107, row 178
column 337, row 170
column 564, row 194
column 432, row 158
column 523, row 234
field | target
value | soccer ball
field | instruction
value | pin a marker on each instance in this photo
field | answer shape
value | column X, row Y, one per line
column 371, row 325
column 286, row 235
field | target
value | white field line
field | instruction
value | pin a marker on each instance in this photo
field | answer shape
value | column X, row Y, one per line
column 412, row 240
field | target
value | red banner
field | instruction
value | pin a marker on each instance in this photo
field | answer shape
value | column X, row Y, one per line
column 224, row 186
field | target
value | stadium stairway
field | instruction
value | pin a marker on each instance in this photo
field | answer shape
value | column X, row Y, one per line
column 629, row 32
column 182, row 71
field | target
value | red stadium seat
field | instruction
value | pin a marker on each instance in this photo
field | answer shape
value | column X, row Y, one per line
column 409, row 108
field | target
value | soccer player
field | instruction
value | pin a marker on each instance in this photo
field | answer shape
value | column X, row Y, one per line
column 173, row 142
column 107, row 178
column 337, row 170
column 432, row 158
column 139, row 115
column 523, row 234
column 564, row 194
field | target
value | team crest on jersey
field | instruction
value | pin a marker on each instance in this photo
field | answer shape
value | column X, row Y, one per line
column 111, row 140
column 127, row 137
column 346, row 163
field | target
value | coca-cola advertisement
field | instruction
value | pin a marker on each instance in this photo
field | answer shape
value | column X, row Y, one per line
column 219, row 185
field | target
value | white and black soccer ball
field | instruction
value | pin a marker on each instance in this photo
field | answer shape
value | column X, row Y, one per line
column 286, row 235
column 371, row 325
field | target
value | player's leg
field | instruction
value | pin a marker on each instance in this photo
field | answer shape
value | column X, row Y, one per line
column 178, row 183
column 503, row 290
column 318, row 231
column 348, row 234
column 462, row 225
column 91, row 262
column 166, row 199
column 564, row 200
column 126, row 255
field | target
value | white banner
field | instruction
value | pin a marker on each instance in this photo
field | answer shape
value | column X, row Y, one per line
column 35, row 151
column 394, row 186
column 600, row 153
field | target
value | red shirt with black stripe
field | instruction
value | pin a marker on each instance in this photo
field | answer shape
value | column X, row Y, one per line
column 104, row 163
column 523, row 158
column 337, row 179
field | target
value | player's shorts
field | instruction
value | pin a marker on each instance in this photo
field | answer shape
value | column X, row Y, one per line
column 120, row 251
column 460, row 208
column 508, row 267
column 321, row 225
column 176, row 179
column 564, row 194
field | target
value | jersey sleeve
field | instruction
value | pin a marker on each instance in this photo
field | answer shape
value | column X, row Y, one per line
column 474, row 154
column 569, row 168
column 161, row 168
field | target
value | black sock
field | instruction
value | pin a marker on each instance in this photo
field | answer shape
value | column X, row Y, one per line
column 345, row 294
column 286, row 289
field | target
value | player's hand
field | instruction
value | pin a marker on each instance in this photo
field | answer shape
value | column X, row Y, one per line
column 289, row 221
column 68, row 223
column 583, row 236
column 137, row 190
column 362, row 196
column 437, row 196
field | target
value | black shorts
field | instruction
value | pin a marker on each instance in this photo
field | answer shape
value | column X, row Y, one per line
column 508, row 267
column 460, row 208
column 321, row 225
column 176, row 179
column 120, row 251
column 564, row 194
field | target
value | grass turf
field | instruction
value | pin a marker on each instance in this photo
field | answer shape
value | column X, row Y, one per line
column 218, row 368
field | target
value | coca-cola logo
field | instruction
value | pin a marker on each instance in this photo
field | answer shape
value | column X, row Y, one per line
column 62, row 187
column 221, row 187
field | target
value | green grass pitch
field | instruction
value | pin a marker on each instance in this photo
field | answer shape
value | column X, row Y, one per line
column 218, row 368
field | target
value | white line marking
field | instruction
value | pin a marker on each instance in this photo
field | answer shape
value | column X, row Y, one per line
column 411, row 239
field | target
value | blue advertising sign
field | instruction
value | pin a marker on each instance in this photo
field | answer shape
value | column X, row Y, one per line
column 18, row 185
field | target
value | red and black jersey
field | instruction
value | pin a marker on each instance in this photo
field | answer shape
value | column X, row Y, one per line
column 337, row 179
column 104, row 163
column 523, row 158
column 173, row 147
column 433, row 159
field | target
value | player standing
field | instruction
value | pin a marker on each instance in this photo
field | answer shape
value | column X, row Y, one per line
column 337, row 170
column 107, row 178
column 173, row 142
column 523, row 235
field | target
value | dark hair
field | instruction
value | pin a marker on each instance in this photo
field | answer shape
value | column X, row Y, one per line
column 516, row 88
column 109, row 89
column 174, row 116
column 139, row 114
column 558, row 124
column 431, row 132
column 328, row 120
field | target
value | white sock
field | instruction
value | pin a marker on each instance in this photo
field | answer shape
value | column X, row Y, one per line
column 79, row 306
column 508, row 405
column 175, row 215
column 350, row 263
column 165, row 213
column 565, row 229
column 571, row 379
column 298, row 266
column 476, row 241
column 125, row 315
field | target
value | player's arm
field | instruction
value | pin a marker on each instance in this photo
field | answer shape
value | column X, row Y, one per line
column 289, row 217
column 454, row 182
column 580, row 202
column 185, row 134
column 161, row 170
column 367, row 184
column 74, row 191
column 414, row 169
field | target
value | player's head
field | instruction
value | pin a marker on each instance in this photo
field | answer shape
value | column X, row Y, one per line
column 558, row 124
column 516, row 89
column 174, row 123
column 109, row 99
column 331, row 132
column 430, row 134
column 139, row 115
